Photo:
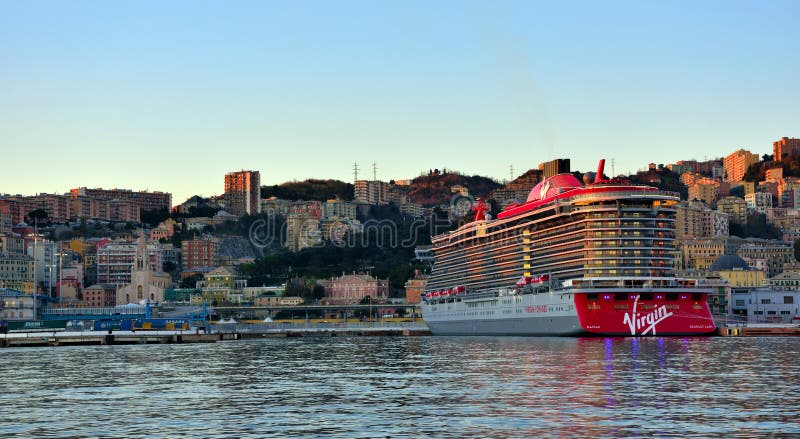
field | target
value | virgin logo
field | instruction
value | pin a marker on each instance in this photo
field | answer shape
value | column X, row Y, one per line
column 544, row 189
column 647, row 322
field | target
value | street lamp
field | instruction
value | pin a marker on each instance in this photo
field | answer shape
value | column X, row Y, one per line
column 60, row 279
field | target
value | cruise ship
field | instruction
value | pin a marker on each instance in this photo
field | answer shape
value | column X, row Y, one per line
column 577, row 258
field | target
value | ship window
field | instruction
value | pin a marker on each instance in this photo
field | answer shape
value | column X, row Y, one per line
column 592, row 296
column 646, row 296
column 620, row 296
column 697, row 297
column 672, row 296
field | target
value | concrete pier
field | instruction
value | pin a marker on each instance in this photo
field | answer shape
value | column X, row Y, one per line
column 216, row 333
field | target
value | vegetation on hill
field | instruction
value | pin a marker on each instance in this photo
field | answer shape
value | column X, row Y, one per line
column 310, row 190
column 757, row 227
column 434, row 189
column 384, row 250
column 662, row 178
column 758, row 171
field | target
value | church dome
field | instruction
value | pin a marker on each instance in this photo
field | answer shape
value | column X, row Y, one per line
column 729, row 262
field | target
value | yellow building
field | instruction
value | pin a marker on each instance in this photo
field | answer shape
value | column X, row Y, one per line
column 706, row 190
column 735, row 207
column 222, row 284
column 700, row 254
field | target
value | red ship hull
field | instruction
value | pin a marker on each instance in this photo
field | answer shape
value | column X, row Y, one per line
column 631, row 314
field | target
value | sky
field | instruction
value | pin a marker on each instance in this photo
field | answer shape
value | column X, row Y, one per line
column 170, row 96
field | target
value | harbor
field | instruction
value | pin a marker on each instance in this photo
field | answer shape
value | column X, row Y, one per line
column 248, row 331
column 214, row 333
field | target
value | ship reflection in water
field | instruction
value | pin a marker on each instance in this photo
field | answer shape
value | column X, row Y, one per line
column 407, row 387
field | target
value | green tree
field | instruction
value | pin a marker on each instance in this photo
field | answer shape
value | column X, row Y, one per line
column 37, row 216
column 153, row 217
column 169, row 267
column 191, row 281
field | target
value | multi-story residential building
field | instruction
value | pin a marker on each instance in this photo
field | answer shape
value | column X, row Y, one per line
column 16, row 206
column 690, row 178
column 166, row 253
column 775, row 254
column 700, row 254
column 56, row 206
column 706, row 190
column 100, row 295
column 276, row 206
column 415, row 287
column 312, row 209
column 222, row 284
column 11, row 244
column 18, row 306
column 737, row 163
column 123, row 211
column 710, row 168
column 200, row 253
column 145, row 200
column 742, row 188
column 302, row 231
column 758, row 201
column 352, row 289
column 412, row 209
column 554, row 167
column 271, row 299
column 339, row 209
column 695, row 220
column 243, row 192
column 115, row 262
column 789, row 197
column 768, row 187
column 506, row 196
column 774, row 175
column 683, row 166
column 782, row 217
column 46, row 254
column 5, row 219
column 788, row 192
column 371, row 192
column 16, row 273
column 70, row 282
column 735, row 207
column 785, row 148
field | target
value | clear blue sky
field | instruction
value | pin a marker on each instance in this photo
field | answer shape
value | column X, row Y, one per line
column 172, row 95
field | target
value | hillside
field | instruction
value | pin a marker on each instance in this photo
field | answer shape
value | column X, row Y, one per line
column 311, row 189
column 434, row 189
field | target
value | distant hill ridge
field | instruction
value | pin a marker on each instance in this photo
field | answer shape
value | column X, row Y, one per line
column 434, row 189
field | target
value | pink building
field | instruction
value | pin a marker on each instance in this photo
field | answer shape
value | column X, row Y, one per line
column 352, row 289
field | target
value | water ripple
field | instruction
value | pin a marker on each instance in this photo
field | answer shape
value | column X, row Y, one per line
column 406, row 387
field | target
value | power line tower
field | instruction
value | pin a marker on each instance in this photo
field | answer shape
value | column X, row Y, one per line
column 613, row 172
column 511, row 172
column 374, row 172
column 355, row 172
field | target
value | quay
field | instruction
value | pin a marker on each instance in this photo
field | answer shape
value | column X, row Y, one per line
column 214, row 333
column 759, row 330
